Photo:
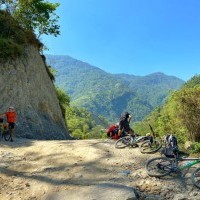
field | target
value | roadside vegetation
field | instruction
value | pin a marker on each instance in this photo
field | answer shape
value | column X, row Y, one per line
column 22, row 23
column 179, row 115
column 13, row 38
column 79, row 121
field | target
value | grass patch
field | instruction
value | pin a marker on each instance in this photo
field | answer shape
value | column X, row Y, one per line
column 9, row 48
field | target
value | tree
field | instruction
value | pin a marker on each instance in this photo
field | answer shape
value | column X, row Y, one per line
column 194, row 81
column 189, row 110
column 34, row 15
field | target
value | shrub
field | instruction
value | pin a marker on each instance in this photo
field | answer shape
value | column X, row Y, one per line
column 9, row 28
column 9, row 49
column 64, row 100
column 195, row 147
column 13, row 38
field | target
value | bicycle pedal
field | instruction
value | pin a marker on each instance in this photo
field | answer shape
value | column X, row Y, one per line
column 134, row 145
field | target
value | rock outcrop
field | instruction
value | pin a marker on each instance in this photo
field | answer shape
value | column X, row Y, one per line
column 25, row 84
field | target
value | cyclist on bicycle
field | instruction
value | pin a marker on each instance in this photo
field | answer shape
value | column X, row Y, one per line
column 11, row 116
column 124, row 125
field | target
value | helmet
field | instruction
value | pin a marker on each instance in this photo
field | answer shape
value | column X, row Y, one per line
column 127, row 114
column 11, row 109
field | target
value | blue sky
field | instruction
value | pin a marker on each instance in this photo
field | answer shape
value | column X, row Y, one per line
column 136, row 37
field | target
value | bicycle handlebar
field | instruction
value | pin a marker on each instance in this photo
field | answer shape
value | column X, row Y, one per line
column 152, row 130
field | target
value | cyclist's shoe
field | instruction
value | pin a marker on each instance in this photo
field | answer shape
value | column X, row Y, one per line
column 11, row 140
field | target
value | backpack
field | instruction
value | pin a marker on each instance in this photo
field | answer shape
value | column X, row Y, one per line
column 112, row 129
column 171, row 146
column 171, row 141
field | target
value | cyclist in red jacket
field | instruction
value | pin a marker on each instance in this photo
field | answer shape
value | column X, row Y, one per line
column 11, row 116
column 112, row 131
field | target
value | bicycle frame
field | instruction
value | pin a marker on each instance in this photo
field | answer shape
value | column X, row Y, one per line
column 176, row 167
column 5, row 131
column 1, row 128
column 138, row 139
column 194, row 161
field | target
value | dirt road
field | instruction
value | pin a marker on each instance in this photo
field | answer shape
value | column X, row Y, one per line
column 31, row 169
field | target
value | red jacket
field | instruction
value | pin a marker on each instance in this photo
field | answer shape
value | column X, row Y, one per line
column 11, row 117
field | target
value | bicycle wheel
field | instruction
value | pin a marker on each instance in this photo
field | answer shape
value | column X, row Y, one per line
column 159, row 167
column 150, row 147
column 196, row 177
column 7, row 135
column 123, row 142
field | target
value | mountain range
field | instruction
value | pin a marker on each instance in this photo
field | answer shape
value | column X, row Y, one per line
column 109, row 94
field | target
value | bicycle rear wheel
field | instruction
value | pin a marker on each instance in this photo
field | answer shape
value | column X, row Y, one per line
column 150, row 147
column 7, row 135
column 196, row 177
column 123, row 142
column 159, row 167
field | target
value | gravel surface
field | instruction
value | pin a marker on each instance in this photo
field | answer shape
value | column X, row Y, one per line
column 32, row 169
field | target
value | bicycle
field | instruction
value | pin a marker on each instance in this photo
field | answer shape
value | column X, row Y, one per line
column 151, row 145
column 133, row 141
column 4, row 131
column 148, row 143
column 163, row 166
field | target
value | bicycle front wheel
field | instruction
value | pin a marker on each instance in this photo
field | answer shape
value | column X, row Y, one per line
column 6, row 135
column 196, row 177
column 150, row 147
column 159, row 167
column 123, row 142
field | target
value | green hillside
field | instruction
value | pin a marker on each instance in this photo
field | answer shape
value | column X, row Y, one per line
column 178, row 115
column 108, row 94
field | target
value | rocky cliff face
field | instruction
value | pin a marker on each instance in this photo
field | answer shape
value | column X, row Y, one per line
column 25, row 84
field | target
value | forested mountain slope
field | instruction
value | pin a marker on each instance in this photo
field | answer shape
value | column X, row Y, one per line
column 178, row 115
column 111, row 94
